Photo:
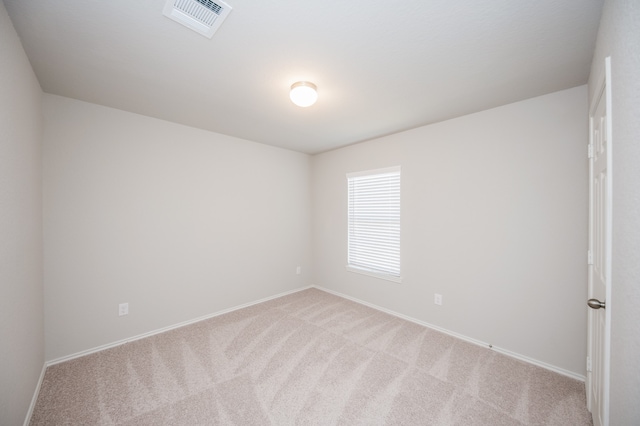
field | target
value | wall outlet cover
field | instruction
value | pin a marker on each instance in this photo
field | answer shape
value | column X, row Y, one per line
column 123, row 309
column 437, row 299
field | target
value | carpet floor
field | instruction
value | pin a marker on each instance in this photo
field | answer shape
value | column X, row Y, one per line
column 309, row 358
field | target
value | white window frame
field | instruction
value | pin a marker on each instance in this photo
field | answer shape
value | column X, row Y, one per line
column 373, row 223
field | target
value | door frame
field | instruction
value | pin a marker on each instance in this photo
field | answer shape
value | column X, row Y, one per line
column 603, row 91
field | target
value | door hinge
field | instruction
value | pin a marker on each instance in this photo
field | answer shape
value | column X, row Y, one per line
column 589, row 151
column 588, row 364
column 589, row 257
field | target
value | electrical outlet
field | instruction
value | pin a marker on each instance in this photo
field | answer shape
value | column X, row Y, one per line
column 123, row 309
column 298, row 270
column 437, row 299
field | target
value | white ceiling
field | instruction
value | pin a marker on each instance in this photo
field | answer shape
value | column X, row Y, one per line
column 380, row 66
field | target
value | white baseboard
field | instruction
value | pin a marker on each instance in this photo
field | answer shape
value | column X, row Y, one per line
column 362, row 302
column 168, row 328
column 506, row 352
column 34, row 399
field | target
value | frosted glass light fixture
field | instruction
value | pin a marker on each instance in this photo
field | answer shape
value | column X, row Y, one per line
column 303, row 93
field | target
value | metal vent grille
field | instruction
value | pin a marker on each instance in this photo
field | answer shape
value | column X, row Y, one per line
column 214, row 7
column 201, row 10
column 202, row 16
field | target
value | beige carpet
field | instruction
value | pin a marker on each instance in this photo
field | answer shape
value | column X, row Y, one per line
column 309, row 358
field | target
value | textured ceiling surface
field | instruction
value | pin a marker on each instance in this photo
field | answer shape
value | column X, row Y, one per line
column 380, row 67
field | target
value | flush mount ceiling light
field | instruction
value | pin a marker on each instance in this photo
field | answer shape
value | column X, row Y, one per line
column 303, row 93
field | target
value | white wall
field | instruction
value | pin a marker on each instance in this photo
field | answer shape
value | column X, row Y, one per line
column 176, row 221
column 21, row 293
column 618, row 37
column 494, row 217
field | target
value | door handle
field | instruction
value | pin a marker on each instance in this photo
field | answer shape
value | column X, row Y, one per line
column 595, row 304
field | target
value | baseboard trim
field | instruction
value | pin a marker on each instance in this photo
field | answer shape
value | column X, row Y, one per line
column 345, row 296
column 168, row 328
column 34, row 399
column 541, row 364
column 506, row 352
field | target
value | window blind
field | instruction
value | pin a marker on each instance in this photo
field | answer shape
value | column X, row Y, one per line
column 374, row 222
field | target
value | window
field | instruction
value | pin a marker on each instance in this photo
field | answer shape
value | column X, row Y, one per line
column 374, row 223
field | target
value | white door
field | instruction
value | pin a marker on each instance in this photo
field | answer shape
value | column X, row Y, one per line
column 599, row 250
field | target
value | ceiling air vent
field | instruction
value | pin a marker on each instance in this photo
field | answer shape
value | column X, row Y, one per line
column 202, row 16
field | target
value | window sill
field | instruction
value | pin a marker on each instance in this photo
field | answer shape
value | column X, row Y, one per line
column 374, row 274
